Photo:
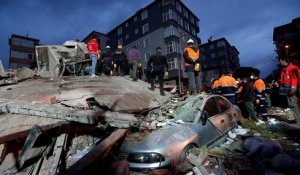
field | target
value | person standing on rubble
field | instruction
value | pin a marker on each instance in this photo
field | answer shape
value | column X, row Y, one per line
column 159, row 63
column 289, row 80
column 247, row 98
column 259, row 87
column 134, row 58
column 106, row 65
column 192, row 67
column 119, row 59
column 228, row 87
column 94, row 53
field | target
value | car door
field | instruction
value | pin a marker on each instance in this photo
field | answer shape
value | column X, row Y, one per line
column 225, row 115
column 208, row 132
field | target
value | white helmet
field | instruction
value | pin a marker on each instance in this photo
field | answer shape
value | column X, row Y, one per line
column 190, row 41
column 107, row 47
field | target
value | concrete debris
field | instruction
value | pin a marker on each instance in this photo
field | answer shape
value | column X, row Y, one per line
column 23, row 74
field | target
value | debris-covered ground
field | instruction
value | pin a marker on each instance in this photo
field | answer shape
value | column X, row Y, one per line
column 77, row 125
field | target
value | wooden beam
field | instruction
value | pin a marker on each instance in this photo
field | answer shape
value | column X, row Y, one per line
column 59, row 148
column 99, row 152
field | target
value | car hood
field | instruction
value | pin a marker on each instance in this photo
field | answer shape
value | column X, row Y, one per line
column 167, row 141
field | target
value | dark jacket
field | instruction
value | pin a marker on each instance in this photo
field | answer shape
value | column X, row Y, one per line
column 119, row 56
column 158, row 62
column 190, row 61
column 247, row 94
column 107, row 53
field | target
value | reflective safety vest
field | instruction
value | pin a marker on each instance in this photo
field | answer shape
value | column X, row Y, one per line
column 228, row 86
column 259, row 85
column 195, row 55
column 289, row 79
column 216, row 84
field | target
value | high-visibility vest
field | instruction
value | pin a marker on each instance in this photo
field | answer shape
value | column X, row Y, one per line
column 259, row 85
column 195, row 55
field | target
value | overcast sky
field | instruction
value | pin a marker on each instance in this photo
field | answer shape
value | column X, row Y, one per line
column 247, row 24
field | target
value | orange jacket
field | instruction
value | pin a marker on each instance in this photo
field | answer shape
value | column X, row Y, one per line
column 215, row 84
column 259, row 85
column 191, row 53
column 227, row 81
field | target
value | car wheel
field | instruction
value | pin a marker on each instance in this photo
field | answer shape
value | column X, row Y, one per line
column 185, row 152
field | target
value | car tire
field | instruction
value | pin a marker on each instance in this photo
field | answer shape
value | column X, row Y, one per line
column 186, row 152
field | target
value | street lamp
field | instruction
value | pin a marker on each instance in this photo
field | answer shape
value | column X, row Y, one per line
column 287, row 51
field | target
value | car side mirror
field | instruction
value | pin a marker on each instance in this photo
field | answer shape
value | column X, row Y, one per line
column 204, row 117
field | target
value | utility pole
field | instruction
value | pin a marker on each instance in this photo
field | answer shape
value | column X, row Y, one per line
column 179, row 63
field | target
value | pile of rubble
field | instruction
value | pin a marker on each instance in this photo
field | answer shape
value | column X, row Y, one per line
column 247, row 151
column 68, row 125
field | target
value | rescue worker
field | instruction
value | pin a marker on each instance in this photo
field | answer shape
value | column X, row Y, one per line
column 215, row 87
column 107, row 61
column 247, row 98
column 94, row 53
column 228, row 87
column 192, row 67
column 134, row 58
column 159, row 63
column 259, row 88
column 289, row 79
column 119, row 59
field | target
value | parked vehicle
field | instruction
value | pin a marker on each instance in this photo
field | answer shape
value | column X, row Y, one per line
column 198, row 121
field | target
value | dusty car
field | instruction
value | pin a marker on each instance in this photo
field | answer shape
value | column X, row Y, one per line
column 198, row 121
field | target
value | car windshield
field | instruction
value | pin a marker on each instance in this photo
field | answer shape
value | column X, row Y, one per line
column 187, row 111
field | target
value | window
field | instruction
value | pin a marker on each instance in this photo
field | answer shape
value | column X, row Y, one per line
column 127, row 36
column 147, row 56
column 187, row 26
column 135, row 19
column 220, row 44
column 178, row 7
column 136, row 31
column 137, row 44
column 193, row 31
column 211, row 107
column 169, row 31
column 202, row 49
column 171, row 47
column 216, row 72
column 126, row 24
column 204, row 66
column 120, row 41
column 211, row 47
column 222, row 62
column 170, row 14
column 144, row 14
column 145, row 28
column 213, row 55
column 21, row 55
column 221, row 53
column 203, row 57
column 173, row 63
column 223, row 104
column 185, row 13
column 192, row 19
column 180, row 21
column 119, row 30
column 22, row 42
column 147, row 42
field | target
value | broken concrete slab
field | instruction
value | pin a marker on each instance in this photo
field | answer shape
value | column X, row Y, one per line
column 18, row 126
column 23, row 74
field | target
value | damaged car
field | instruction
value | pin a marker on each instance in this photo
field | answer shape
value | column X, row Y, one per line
column 198, row 121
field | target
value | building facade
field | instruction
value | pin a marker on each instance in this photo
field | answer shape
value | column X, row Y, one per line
column 287, row 40
column 22, row 52
column 217, row 57
column 165, row 23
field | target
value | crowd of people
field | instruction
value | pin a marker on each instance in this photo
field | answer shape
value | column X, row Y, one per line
column 254, row 96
